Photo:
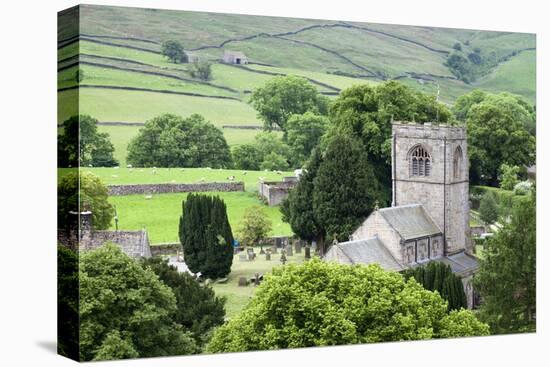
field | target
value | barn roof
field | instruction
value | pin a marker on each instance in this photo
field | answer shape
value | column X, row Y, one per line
column 365, row 251
column 238, row 54
column 410, row 221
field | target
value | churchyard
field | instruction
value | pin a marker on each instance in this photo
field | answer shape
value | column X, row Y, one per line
column 142, row 110
column 239, row 295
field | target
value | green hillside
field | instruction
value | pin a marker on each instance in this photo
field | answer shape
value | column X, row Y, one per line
column 126, row 79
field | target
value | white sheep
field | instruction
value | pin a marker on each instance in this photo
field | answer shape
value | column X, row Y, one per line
column 129, row 166
column 244, row 173
column 148, row 197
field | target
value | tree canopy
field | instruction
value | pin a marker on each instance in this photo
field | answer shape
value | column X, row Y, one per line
column 496, row 136
column 172, row 141
column 173, row 50
column 83, row 191
column 254, row 226
column 268, row 151
column 366, row 112
column 283, row 96
column 303, row 134
column 80, row 144
column 319, row 303
column 205, row 235
column 506, row 279
column 198, row 309
column 118, row 319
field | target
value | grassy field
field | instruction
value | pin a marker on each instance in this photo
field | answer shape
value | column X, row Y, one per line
column 160, row 214
column 126, row 176
column 138, row 106
column 238, row 297
column 518, row 75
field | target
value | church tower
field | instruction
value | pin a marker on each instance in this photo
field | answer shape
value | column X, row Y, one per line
column 430, row 167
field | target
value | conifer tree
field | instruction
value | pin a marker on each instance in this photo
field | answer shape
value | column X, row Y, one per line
column 206, row 236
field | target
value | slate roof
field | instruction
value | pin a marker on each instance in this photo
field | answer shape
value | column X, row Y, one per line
column 460, row 262
column 237, row 54
column 365, row 251
column 410, row 221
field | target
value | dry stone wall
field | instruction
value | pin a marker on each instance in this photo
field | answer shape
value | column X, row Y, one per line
column 119, row 190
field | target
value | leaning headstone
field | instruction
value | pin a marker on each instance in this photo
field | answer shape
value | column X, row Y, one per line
column 243, row 282
column 307, row 250
column 288, row 250
column 268, row 256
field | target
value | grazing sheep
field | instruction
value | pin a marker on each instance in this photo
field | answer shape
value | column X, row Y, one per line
column 244, row 173
column 148, row 197
column 202, row 179
column 231, row 178
column 90, row 165
column 114, row 176
column 117, row 167
column 129, row 166
column 261, row 178
column 279, row 172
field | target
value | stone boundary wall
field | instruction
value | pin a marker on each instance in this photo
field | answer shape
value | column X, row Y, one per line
column 166, row 249
column 119, row 190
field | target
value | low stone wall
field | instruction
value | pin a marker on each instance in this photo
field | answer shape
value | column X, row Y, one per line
column 165, row 249
column 119, row 190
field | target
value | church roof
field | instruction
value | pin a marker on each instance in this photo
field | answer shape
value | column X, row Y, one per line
column 365, row 251
column 410, row 221
column 461, row 262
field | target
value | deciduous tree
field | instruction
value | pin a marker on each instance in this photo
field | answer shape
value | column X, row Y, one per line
column 83, row 191
column 320, row 303
column 283, row 96
column 80, row 144
column 254, row 227
column 173, row 50
column 172, row 141
column 125, row 310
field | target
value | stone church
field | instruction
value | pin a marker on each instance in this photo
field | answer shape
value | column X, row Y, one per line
column 429, row 216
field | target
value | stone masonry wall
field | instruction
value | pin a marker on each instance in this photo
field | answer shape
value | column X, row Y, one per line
column 118, row 190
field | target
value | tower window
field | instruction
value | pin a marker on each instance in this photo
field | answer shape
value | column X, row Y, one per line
column 420, row 161
column 457, row 162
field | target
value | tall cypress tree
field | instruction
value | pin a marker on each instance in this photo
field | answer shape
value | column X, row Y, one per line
column 206, row 236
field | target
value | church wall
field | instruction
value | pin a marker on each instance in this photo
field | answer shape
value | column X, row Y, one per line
column 442, row 202
column 376, row 225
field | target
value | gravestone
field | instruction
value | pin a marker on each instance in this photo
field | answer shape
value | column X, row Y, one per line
column 251, row 255
column 243, row 257
column 243, row 282
column 274, row 249
column 298, row 247
column 288, row 250
column 307, row 255
column 268, row 256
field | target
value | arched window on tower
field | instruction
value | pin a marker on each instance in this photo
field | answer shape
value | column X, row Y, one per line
column 457, row 163
column 420, row 161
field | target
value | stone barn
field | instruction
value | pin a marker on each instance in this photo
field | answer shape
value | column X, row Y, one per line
column 274, row 192
column 234, row 57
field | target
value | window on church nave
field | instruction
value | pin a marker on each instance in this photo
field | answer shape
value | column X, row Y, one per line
column 420, row 162
column 457, row 162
